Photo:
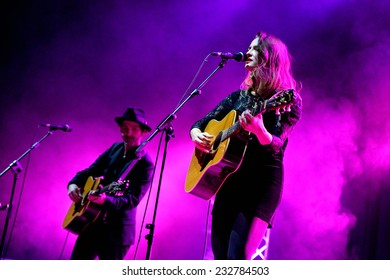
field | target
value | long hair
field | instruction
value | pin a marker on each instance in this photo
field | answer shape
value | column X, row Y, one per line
column 274, row 70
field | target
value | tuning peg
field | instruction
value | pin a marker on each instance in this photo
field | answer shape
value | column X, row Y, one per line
column 277, row 111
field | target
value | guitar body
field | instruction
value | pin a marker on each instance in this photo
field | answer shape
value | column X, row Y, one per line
column 82, row 213
column 207, row 172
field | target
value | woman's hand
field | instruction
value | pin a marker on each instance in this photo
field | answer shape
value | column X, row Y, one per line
column 202, row 140
column 255, row 125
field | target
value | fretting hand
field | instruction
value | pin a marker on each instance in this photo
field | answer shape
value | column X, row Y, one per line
column 255, row 124
column 97, row 198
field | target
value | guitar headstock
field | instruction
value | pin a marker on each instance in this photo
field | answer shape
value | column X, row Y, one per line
column 280, row 102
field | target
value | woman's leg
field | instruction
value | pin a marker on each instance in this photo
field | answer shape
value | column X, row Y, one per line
column 256, row 233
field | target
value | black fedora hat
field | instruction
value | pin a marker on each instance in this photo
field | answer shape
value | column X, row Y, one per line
column 134, row 115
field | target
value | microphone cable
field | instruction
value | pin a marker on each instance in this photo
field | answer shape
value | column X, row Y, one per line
column 194, row 78
column 206, row 230
column 63, row 246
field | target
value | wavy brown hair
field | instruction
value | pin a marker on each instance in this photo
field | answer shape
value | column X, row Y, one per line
column 274, row 70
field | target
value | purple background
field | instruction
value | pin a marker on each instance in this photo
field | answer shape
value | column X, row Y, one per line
column 83, row 62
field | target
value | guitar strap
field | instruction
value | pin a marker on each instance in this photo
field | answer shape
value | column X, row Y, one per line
column 131, row 165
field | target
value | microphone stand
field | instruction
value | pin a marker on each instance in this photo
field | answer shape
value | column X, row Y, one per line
column 16, row 168
column 166, row 126
column 149, row 237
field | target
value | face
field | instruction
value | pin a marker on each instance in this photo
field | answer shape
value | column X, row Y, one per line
column 253, row 55
column 131, row 133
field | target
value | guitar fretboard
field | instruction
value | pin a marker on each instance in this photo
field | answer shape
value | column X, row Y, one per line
column 230, row 131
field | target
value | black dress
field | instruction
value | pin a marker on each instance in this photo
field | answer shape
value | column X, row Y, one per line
column 255, row 189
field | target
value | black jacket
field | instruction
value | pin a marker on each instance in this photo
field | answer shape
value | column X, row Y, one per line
column 119, row 212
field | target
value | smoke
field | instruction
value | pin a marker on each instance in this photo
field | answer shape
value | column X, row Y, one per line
column 342, row 136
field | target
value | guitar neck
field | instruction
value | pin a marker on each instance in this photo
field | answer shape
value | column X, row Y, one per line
column 229, row 132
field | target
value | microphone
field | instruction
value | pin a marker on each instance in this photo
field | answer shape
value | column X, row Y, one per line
column 240, row 56
column 65, row 128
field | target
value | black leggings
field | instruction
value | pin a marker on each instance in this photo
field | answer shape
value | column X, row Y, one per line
column 229, row 235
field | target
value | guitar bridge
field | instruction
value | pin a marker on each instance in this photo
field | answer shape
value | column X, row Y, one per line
column 203, row 158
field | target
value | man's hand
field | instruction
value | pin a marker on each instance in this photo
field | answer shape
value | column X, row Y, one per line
column 98, row 198
column 74, row 192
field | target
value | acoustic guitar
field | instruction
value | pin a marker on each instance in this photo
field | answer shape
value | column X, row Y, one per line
column 208, row 171
column 81, row 214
